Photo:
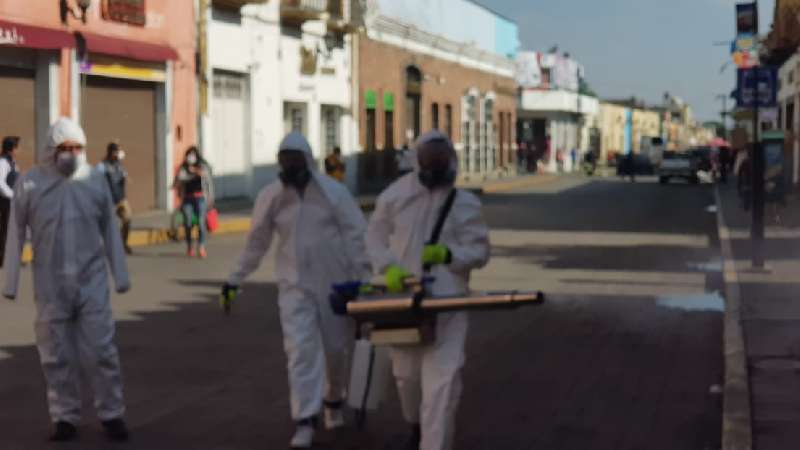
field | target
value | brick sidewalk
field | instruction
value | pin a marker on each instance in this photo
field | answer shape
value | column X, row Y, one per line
column 770, row 319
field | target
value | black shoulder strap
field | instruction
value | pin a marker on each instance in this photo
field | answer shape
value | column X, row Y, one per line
column 443, row 213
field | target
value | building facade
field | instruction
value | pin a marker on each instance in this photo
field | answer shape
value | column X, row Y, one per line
column 557, row 122
column 453, row 72
column 126, row 74
column 789, row 115
column 272, row 68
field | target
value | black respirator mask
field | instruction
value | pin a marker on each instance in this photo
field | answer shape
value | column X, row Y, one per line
column 297, row 177
column 437, row 177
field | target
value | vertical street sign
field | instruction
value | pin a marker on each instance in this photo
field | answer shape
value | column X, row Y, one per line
column 766, row 78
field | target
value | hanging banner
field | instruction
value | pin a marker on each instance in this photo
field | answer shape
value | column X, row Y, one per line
column 747, row 19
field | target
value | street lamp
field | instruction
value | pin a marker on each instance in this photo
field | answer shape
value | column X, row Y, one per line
column 67, row 10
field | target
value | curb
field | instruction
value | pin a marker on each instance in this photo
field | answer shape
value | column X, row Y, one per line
column 509, row 184
column 737, row 429
column 156, row 236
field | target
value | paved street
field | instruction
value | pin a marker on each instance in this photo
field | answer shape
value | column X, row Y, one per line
column 621, row 357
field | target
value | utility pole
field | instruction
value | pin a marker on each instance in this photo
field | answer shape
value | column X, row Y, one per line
column 724, row 115
column 758, row 166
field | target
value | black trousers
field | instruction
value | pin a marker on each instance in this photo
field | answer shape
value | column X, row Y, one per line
column 5, row 213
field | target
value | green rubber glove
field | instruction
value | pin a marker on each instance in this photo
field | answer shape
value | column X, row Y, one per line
column 366, row 289
column 435, row 254
column 395, row 277
column 226, row 299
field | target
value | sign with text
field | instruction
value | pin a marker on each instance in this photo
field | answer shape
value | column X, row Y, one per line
column 766, row 79
column 131, row 12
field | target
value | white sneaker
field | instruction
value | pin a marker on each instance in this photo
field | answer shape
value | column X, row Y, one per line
column 303, row 437
column 334, row 418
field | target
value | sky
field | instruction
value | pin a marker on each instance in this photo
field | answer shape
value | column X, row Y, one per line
column 640, row 48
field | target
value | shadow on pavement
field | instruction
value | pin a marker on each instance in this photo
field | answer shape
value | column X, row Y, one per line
column 628, row 258
column 648, row 208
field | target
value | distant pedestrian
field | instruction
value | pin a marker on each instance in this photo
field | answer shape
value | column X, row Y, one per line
column 116, row 175
column 196, row 190
column 405, row 160
column 334, row 166
column 8, row 177
column 573, row 156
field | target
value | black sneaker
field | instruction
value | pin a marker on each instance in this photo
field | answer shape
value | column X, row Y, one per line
column 64, row 432
column 116, row 430
column 415, row 438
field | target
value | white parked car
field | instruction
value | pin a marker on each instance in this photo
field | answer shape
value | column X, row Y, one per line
column 677, row 165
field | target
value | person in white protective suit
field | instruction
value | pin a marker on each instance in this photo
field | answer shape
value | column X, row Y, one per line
column 320, row 231
column 68, row 208
column 428, row 376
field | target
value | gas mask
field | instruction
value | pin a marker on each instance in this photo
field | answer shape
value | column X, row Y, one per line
column 437, row 177
column 297, row 177
column 66, row 163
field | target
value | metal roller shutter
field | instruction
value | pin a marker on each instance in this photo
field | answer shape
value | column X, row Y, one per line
column 18, row 117
column 124, row 111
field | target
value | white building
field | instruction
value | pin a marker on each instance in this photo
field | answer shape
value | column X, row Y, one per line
column 554, row 119
column 788, row 101
column 272, row 68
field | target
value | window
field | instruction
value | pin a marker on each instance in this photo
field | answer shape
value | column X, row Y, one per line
column 448, row 120
column 413, row 100
column 331, row 124
column 501, row 138
column 371, row 130
column 388, row 134
column 435, row 116
column 790, row 116
column 297, row 120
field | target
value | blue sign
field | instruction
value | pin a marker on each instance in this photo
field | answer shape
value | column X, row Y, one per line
column 767, row 87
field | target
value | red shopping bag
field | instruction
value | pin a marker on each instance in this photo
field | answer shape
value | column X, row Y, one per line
column 212, row 220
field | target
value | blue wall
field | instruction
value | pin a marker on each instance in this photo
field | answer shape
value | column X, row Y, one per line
column 457, row 20
column 506, row 37
column 628, row 131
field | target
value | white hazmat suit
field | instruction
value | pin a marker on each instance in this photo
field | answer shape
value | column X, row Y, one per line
column 75, row 240
column 429, row 377
column 320, row 242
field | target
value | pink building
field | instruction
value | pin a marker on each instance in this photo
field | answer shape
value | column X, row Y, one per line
column 127, row 74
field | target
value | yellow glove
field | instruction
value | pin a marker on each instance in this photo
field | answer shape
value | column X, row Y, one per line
column 395, row 279
column 435, row 254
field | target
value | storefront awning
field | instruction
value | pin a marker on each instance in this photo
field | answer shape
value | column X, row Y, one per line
column 18, row 35
column 141, row 51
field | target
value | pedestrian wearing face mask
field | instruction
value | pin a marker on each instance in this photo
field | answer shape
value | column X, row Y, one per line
column 116, row 175
column 8, row 178
column 196, row 190
column 398, row 241
column 320, row 231
column 66, row 205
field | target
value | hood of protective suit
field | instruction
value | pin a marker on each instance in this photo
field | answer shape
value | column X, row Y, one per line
column 296, row 141
column 430, row 136
column 64, row 130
